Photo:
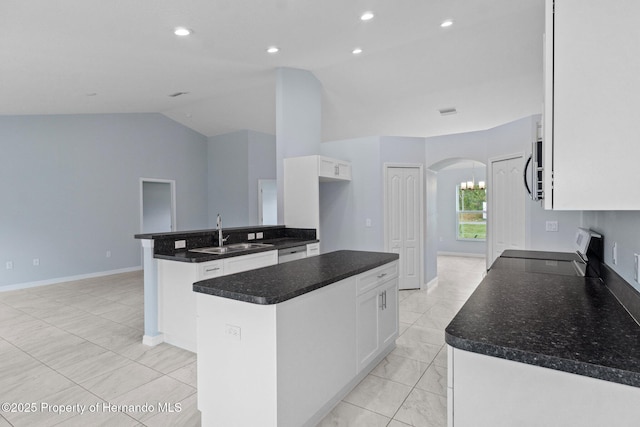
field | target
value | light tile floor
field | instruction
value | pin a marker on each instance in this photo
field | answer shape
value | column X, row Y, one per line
column 80, row 343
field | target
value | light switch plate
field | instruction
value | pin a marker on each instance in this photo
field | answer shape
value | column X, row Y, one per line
column 259, row 235
column 251, row 236
column 552, row 226
column 180, row 244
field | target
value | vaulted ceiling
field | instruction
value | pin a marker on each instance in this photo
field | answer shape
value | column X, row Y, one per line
column 121, row 56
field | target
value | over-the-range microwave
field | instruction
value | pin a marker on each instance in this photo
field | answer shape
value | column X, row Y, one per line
column 536, row 191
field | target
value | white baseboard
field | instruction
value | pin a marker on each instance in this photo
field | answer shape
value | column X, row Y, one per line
column 432, row 284
column 462, row 254
column 152, row 341
column 57, row 280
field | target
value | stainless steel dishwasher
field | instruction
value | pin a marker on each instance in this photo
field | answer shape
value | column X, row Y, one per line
column 292, row 254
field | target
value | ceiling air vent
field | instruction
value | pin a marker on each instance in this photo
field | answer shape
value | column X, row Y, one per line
column 173, row 95
column 448, row 111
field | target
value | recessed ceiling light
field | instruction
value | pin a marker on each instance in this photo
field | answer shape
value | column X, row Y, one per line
column 367, row 16
column 448, row 111
column 181, row 31
column 273, row 49
column 446, row 23
column 356, row 51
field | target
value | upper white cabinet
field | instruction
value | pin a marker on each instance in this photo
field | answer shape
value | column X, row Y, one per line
column 332, row 170
column 302, row 177
column 592, row 102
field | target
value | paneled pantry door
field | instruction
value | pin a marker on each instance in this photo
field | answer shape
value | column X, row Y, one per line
column 403, row 221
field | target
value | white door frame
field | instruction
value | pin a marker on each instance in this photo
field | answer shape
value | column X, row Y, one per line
column 172, row 185
column 387, row 248
column 490, row 199
column 260, row 199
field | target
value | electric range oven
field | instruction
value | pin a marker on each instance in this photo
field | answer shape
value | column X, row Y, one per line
column 584, row 262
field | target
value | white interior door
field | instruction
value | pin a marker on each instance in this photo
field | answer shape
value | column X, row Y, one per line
column 507, row 203
column 403, row 219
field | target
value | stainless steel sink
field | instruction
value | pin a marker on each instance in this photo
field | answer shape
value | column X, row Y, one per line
column 248, row 245
column 235, row 247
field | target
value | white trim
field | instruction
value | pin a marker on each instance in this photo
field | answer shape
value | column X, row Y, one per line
column 490, row 163
column 172, row 185
column 420, row 168
column 57, row 280
column 152, row 341
column 432, row 284
column 462, row 254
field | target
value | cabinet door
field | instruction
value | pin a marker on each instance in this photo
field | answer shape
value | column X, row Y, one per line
column 209, row 270
column 250, row 262
column 388, row 318
column 313, row 249
column 596, row 99
column 367, row 327
column 328, row 168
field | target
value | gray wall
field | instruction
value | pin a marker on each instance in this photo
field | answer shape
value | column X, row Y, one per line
column 71, row 189
column 511, row 138
column 448, row 179
column 345, row 207
column 236, row 161
column 622, row 227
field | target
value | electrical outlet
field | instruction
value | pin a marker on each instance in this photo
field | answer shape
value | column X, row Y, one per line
column 180, row 244
column 36, row 262
column 367, row 222
column 614, row 253
column 9, row 265
column 108, row 254
column 259, row 235
column 552, row 226
column 636, row 267
column 233, row 332
column 251, row 236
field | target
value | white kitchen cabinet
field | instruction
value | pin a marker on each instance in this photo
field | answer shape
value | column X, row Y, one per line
column 302, row 177
column 313, row 249
column 177, row 301
column 592, row 99
column 486, row 391
column 376, row 312
column 333, row 170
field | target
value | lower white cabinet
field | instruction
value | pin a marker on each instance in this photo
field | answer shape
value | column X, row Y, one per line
column 377, row 317
column 177, row 301
column 486, row 391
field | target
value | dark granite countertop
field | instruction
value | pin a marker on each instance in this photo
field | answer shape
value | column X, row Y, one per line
column 278, row 283
column 183, row 255
column 571, row 324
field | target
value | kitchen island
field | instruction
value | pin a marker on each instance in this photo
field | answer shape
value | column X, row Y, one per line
column 534, row 349
column 281, row 345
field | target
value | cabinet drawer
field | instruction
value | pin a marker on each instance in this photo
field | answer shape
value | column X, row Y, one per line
column 313, row 249
column 208, row 270
column 373, row 278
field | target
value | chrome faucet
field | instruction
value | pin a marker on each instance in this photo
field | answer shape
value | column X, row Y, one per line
column 221, row 240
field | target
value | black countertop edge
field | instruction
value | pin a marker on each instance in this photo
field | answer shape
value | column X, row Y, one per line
column 616, row 375
column 188, row 256
column 282, row 282
column 203, row 232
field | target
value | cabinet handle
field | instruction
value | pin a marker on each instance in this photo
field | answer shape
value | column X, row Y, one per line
column 380, row 276
column 381, row 295
column 336, row 170
column 384, row 300
column 208, row 270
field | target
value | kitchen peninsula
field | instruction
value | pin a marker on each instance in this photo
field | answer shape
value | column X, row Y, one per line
column 173, row 261
column 281, row 345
